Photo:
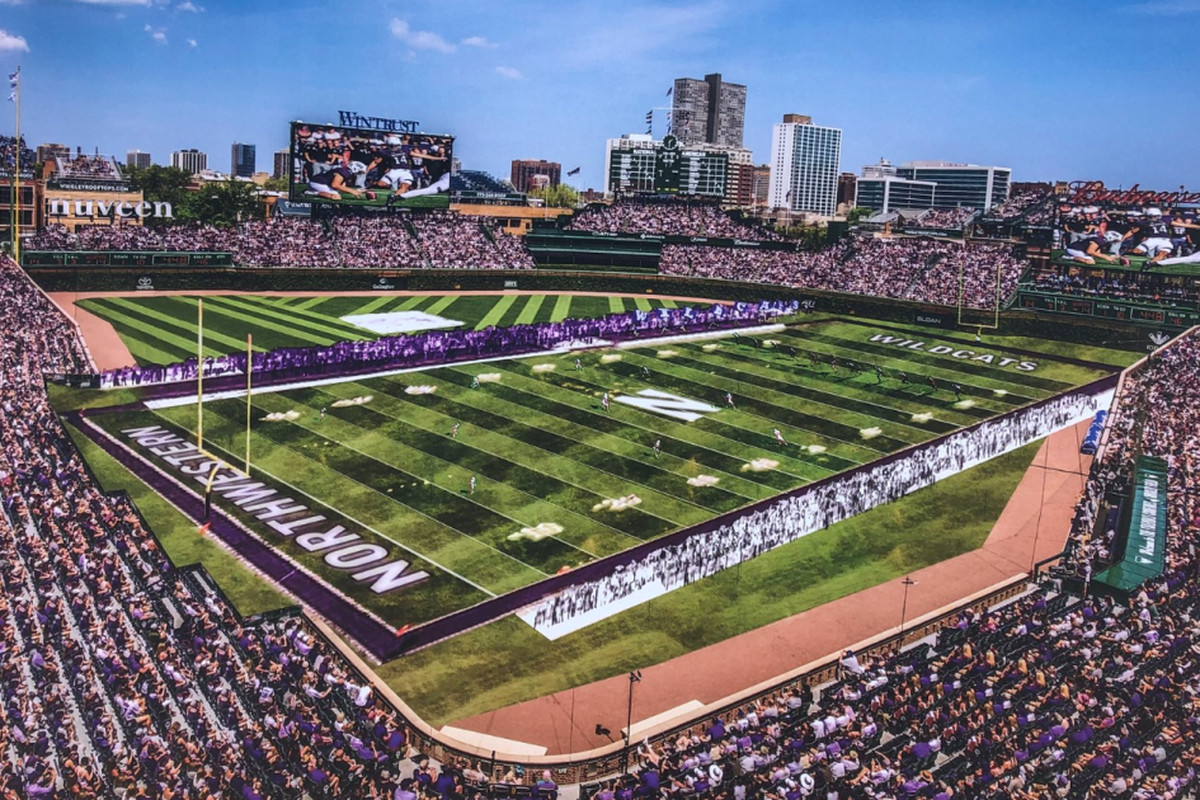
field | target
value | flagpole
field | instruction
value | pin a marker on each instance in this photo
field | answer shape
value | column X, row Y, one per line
column 200, row 373
column 249, row 371
column 15, row 81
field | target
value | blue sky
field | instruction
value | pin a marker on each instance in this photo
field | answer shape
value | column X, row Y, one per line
column 1056, row 90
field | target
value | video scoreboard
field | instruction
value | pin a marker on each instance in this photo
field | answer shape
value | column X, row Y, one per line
column 667, row 168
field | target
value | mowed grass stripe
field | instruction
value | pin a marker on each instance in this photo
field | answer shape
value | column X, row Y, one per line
column 402, row 523
column 846, row 389
column 642, row 304
column 843, row 389
column 454, row 510
column 307, row 302
column 134, row 335
column 440, row 304
column 314, row 319
column 220, row 321
column 857, row 398
column 385, row 440
column 534, row 429
column 499, row 307
column 702, row 385
column 323, row 330
column 562, row 307
column 753, row 408
column 535, row 495
column 729, row 453
column 529, row 311
column 960, row 366
column 172, row 334
column 669, row 304
column 681, row 463
column 980, row 386
column 616, row 305
column 671, row 511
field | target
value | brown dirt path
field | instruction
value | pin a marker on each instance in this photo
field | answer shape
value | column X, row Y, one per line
column 1033, row 526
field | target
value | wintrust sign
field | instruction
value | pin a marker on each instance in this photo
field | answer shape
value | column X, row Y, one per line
column 121, row 209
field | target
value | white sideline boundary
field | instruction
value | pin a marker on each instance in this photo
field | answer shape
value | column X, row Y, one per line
column 565, row 347
column 725, row 333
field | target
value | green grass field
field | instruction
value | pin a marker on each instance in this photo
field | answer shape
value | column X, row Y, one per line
column 543, row 450
column 162, row 330
column 544, row 453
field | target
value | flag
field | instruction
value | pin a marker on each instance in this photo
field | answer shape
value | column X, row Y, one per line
column 12, row 76
column 670, row 91
column 12, row 96
column 571, row 172
column 650, row 115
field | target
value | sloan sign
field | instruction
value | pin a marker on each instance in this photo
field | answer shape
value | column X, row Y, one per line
column 121, row 209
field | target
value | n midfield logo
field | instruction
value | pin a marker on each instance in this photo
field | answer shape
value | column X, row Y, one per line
column 669, row 405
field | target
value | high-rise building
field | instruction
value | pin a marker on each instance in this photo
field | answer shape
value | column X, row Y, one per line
column 282, row 164
column 882, row 189
column 137, row 159
column 805, row 160
column 931, row 184
column 192, row 160
column 523, row 171
column 960, row 185
column 241, row 161
column 708, row 111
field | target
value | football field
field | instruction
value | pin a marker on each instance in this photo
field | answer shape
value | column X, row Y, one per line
column 487, row 477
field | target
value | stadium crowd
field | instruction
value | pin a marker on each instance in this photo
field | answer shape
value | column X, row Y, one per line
column 920, row 269
column 10, row 148
column 1054, row 695
column 93, row 167
column 434, row 239
column 1118, row 286
column 946, row 218
column 124, row 677
column 667, row 218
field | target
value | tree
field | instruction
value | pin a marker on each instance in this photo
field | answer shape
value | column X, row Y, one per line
column 160, row 184
column 560, row 196
column 276, row 185
column 223, row 203
column 857, row 213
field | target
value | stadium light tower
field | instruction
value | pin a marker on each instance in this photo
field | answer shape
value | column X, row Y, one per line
column 634, row 677
column 906, row 583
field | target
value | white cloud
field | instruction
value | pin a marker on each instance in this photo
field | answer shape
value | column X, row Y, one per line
column 188, row 5
column 420, row 40
column 11, row 43
column 595, row 35
column 1166, row 8
column 193, row 43
column 157, row 34
column 12, row 2
column 510, row 73
column 478, row 41
column 115, row 2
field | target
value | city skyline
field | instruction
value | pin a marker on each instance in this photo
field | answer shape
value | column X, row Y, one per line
column 979, row 85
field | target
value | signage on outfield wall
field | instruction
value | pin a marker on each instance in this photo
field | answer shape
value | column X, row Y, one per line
column 1095, row 193
column 352, row 119
column 121, row 209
